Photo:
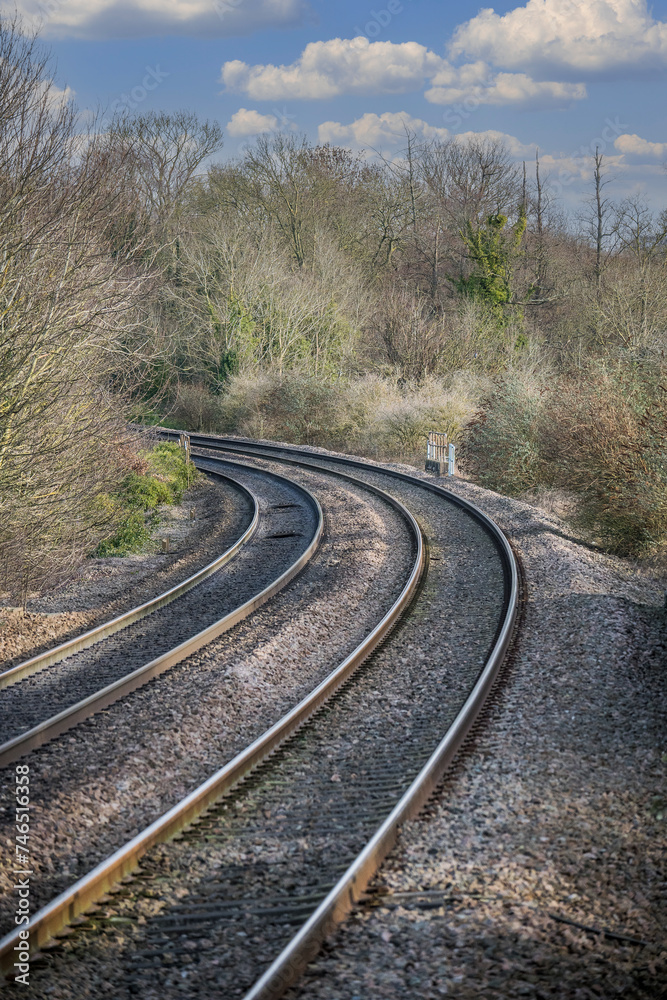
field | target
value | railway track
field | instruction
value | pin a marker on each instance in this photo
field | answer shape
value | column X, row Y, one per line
column 40, row 661
column 89, row 673
column 297, row 841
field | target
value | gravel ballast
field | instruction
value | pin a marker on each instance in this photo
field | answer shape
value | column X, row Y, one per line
column 311, row 809
column 99, row 785
column 287, row 525
column 537, row 870
column 210, row 518
column 553, row 818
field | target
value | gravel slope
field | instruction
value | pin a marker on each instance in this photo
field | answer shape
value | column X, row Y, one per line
column 555, row 809
column 287, row 524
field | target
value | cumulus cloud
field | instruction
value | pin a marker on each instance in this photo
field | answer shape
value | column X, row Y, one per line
column 249, row 122
column 358, row 66
column 387, row 134
column 573, row 36
column 533, row 57
column 339, row 66
column 567, row 172
column 378, row 131
column 634, row 145
column 141, row 18
column 518, row 149
column 476, row 82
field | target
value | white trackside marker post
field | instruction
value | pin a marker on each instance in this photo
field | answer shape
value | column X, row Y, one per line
column 451, row 460
column 184, row 443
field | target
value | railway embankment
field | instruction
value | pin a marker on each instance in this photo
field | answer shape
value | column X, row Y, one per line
column 201, row 525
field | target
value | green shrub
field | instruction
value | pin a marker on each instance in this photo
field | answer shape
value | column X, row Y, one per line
column 139, row 496
column 133, row 535
column 145, row 492
column 167, row 460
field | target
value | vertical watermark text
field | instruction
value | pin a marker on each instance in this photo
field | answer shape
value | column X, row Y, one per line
column 22, row 871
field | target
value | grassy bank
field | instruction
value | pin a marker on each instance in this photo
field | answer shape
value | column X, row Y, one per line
column 160, row 477
column 598, row 434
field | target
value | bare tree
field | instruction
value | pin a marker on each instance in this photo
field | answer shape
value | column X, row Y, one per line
column 167, row 150
column 634, row 306
column 540, row 250
column 410, row 334
column 467, row 181
column 471, row 178
column 275, row 176
column 603, row 222
column 66, row 298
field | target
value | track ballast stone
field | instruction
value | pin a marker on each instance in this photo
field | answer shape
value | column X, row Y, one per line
column 551, row 812
column 201, row 926
column 286, row 528
column 553, row 818
column 103, row 782
column 103, row 588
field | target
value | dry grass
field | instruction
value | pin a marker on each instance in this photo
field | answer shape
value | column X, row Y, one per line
column 597, row 436
column 370, row 415
column 600, row 435
column 605, row 437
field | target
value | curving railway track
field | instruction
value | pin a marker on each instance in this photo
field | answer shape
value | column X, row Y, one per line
column 232, row 891
column 107, row 663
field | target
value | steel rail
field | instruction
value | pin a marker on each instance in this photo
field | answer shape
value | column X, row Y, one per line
column 254, row 448
column 293, row 959
column 83, row 894
column 341, row 900
column 99, row 700
column 57, row 653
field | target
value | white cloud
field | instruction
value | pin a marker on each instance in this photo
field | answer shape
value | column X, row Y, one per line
column 570, row 168
column 357, row 66
column 120, row 19
column 56, row 97
column 339, row 66
column 584, row 36
column 378, row 131
column 477, row 83
column 568, row 173
column 634, row 145
column 387, row 133
column 519, row 150
column 249, row 122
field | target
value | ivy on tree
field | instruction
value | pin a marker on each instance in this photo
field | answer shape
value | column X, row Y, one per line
column 492, row 250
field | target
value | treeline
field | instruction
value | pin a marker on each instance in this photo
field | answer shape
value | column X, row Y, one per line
column 316, row 296
column 308, row 294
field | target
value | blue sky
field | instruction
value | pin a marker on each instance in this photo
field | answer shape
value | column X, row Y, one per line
column 558, row 74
